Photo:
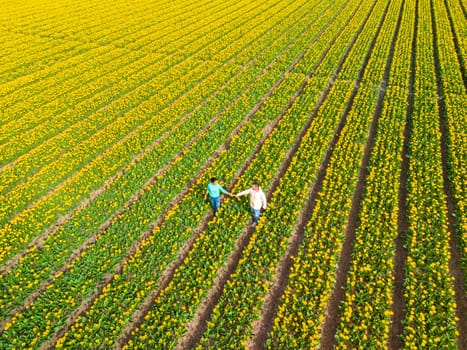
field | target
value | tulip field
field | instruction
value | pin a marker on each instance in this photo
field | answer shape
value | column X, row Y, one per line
column 352, row 116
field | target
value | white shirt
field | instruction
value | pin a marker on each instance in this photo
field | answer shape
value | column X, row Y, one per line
column 257, row 198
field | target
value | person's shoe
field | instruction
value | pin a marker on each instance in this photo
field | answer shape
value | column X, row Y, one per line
column 253, row 224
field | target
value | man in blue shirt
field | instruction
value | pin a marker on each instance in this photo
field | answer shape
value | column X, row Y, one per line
column 214, row 190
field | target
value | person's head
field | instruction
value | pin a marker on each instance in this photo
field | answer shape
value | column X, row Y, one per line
column 255, row 186
column 213, row 180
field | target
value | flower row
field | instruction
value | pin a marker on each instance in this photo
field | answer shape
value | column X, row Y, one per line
column 367, row 307
column 428, row 287
column 455, row 97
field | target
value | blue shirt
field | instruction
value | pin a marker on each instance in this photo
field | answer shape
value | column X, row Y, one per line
column 215, row 189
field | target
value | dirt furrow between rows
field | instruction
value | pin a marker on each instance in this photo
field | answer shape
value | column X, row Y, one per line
column 464, row 8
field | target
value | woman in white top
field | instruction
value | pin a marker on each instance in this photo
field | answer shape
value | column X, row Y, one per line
column 257, row 201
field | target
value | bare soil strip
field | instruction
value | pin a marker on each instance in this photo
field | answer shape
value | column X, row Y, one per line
column 400, row 258
column 455, row 265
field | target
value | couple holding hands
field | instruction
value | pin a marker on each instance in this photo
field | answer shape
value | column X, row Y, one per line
column 257, row 197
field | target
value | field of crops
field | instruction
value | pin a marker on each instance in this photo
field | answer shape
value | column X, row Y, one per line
column 352, row 116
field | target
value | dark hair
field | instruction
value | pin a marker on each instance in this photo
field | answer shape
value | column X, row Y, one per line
column 255, row 183
column 213, row 179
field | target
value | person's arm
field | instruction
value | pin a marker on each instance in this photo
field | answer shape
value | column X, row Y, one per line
column 224, row 191
column 242, row 193
column 264, row 200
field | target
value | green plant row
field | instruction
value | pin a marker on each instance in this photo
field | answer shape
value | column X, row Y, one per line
column 430, row 316
column 455, row 97
column 366, row 310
